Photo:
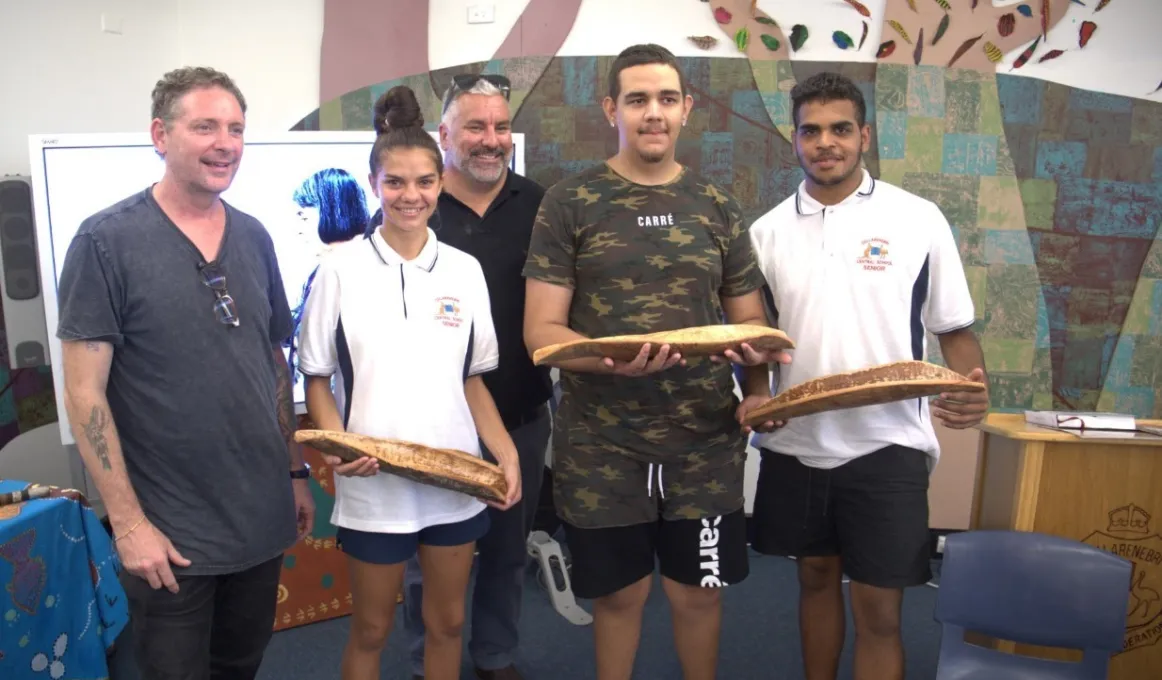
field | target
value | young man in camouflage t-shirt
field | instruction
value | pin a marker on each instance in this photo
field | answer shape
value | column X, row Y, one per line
column 648, row 455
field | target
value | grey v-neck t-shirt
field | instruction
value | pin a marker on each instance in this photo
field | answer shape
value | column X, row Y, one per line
column 193, row 399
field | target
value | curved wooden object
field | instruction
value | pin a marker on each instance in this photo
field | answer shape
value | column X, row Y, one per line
column 443, row 468
column 352, row 31
column 866, row 387
column 699, row 341
column 355, row 35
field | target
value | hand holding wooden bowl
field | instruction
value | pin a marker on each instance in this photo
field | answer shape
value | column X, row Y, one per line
column 442, row 468
column 880, row 384
column 698, row 341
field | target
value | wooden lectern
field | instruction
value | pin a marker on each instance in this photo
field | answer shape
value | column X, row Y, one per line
column 1102, row 490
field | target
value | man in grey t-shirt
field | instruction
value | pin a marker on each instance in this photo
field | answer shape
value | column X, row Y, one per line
column 172, row 319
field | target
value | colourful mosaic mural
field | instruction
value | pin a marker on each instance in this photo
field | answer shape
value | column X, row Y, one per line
column 940, row 136
column 1053, row 191
column 1053, row 194
column 1090, row 173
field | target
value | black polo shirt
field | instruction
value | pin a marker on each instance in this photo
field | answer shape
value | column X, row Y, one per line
column 500, row 242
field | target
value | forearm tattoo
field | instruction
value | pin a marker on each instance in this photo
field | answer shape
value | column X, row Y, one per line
column 284, row 396
column 95, row 435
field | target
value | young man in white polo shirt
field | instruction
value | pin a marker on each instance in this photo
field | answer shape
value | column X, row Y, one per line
column 858, row 270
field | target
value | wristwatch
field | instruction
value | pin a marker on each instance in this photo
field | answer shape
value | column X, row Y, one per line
column 304, row 473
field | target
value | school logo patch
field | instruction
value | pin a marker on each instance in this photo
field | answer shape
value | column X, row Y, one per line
column 875, row 255
column 448, row 311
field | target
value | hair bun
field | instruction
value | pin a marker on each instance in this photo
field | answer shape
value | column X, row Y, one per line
column 397, row 108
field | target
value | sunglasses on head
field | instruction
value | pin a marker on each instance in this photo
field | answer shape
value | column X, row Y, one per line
column 466, row 81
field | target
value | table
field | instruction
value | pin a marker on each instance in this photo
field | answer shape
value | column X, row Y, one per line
column 61, row 604
column 1100, row 489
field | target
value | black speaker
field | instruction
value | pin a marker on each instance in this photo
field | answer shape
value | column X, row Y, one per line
column 29, row 353
column 18, row 241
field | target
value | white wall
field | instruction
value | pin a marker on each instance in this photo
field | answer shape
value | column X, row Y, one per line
column 60, row 73
column 1123, row 36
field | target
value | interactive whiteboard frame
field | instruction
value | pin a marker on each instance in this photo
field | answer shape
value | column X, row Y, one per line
column 50, row 260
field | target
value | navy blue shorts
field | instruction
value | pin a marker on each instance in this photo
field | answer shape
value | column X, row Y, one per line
column 380, row 548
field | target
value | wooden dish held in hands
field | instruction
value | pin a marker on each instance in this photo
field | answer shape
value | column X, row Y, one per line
column 443, row 468
column 880, row 384
column 698, row 341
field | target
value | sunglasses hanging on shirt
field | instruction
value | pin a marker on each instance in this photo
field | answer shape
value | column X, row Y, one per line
column 215, row 280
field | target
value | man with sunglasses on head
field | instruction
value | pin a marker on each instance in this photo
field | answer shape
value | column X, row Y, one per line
column 172, row 319
column 487, row 210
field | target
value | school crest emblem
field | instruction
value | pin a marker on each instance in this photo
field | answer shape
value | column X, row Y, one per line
column 448, row 311
column 1129, row 535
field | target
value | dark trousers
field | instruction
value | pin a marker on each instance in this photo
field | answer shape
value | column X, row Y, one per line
column 500, row 570
column 213, row 628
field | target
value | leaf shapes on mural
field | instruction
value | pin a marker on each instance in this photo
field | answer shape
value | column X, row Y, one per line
column 770, row 41
column 1156, row 89
column 900, row 29
column 1101, row 5
column 766, row 21
column 964, row 47
column 722, row 15
column 1006, row 24
column 886, row 49
column 863, row 36
column 842, row 40
column 941, row 28
column 741, row 39
column 1051, row 54
column 1025, row 10
column 993, row 52
column 798, row 36
column 859, row 7
column 944, row 5
column 974, row 4
column 1045, row 17
column 704, row 42
column 1025, row 56
column 912, row 4
column 919, row 51
column 1085, row 33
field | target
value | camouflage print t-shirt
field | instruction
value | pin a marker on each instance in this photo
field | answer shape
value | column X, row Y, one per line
column 642, row 259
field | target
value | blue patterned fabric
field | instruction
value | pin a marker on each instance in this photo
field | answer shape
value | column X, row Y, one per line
column 61, row 604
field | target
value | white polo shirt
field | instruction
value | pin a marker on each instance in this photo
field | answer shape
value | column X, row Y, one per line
column 854, row 285
column 404, row 336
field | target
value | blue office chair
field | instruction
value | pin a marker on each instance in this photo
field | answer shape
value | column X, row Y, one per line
column 1034, row 589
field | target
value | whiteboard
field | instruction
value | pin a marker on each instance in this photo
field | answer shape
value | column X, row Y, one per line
column 76, row 175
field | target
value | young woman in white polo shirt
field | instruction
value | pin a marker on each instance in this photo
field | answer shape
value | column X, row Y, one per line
column 406, row 321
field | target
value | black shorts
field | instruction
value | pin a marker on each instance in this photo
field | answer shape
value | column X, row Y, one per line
column 710, row 552
column 872, row 512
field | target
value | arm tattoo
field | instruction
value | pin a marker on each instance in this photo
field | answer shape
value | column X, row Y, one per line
column 284, row 396
column 95, row 434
